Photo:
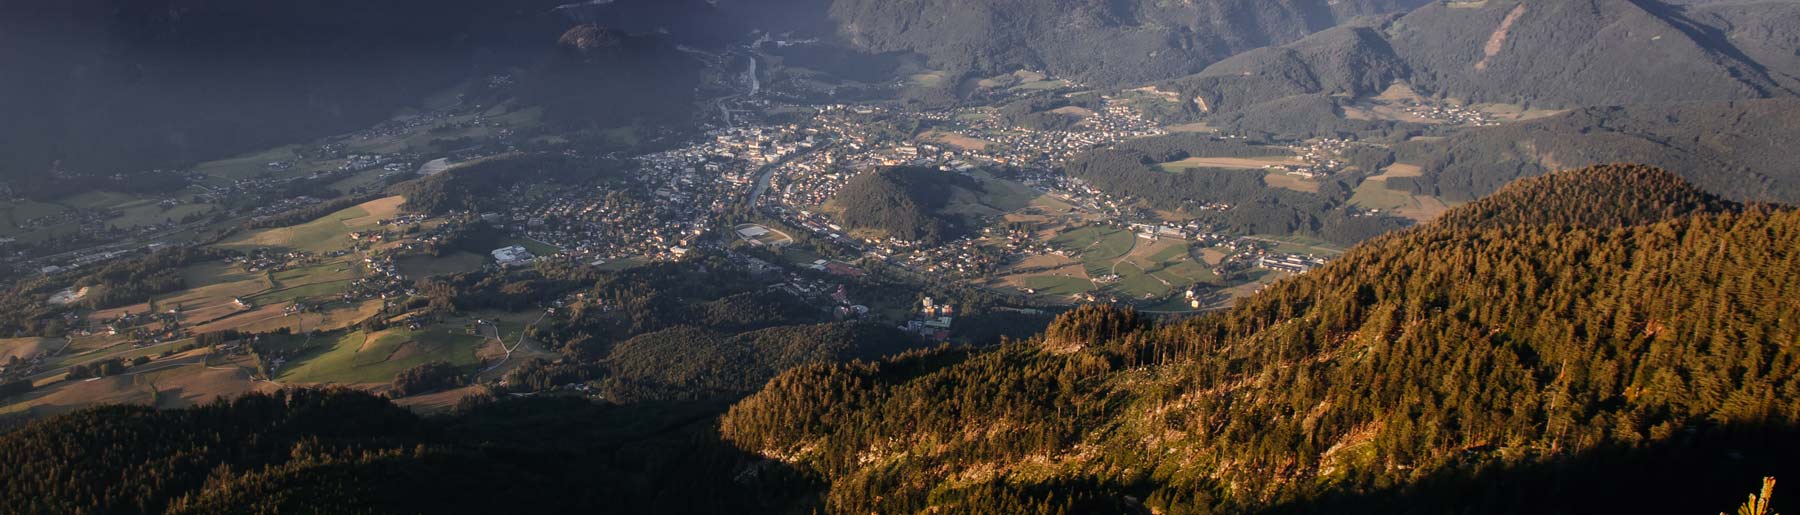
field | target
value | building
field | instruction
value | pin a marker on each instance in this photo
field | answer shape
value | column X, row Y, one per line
column 1289, row 263
column 512, row 256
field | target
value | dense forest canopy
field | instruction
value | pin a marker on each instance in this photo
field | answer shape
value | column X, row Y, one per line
column 906, row 202
column 1508, row 335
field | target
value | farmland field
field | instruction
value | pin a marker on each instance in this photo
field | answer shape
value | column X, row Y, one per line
column 364, row 358
column 1239, row 163
column 325, row 234
column 27, row 347
column 247, row 165
column 1058, row 284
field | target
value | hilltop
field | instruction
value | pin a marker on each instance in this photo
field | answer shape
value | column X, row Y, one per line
column 905, row 202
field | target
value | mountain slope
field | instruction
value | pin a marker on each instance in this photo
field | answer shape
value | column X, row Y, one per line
column 1354, row 61
column 108, row 86
column 1589, row 52
column 1740, row 150
column 1557, row 54
column 1102, row 42
column 1442, row 350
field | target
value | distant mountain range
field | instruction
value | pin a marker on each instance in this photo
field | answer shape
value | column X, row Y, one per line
column 1540, row 54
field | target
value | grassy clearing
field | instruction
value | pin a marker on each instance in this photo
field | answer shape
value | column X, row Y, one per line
column 1297, row 244
column 930, row 79
column 324, row 234
column 537, row 248
column 1113, row 245
column 323, row 280
column 1192, row 127
column 99, row 200
column 1006, row 195
column 247, row 165
column 150, row 213
column 1058, row 284
column 1290, row 181
column 1229, row 163
column 364, row 358
column 1078, row 239
column 1134, row 282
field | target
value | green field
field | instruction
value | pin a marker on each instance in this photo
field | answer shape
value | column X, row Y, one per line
column 1058, row 285
column 325, row 234
column 1135, row 283
column 1113, row 245
column 148, row 212
column 1297, row 244
column 1374, row 194
column 536, row 248
column 13, row 215
column 99, row 200
column 361, row 358
column 247, row 165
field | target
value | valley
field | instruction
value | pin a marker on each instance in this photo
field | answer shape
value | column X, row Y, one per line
column 898, row 256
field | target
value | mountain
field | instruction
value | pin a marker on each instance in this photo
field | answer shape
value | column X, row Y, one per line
column 904, row 202
column 107, row 86
column 1541, row 55
column 1580, row 53
column 600, row 77
column 1737, row 149
column 1352, row 61
column 1101, row 42
column 1633, row 360
column 102, row 87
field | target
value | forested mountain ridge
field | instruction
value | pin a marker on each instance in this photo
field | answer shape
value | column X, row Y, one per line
column 1434, row 352
column 106, row 86
column 1600, row 197
column 1110, row 43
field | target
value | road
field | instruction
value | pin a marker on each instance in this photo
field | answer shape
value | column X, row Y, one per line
column 509, row 350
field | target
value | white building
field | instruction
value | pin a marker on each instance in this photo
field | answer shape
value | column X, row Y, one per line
column 513, row 256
